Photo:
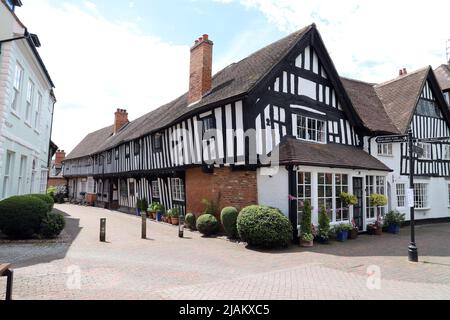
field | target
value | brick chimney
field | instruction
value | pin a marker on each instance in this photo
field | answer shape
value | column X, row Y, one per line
column 200, row 79
column 121, row 119
column 59, row 157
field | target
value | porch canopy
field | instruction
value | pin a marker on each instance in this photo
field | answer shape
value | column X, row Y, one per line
column 297, row 152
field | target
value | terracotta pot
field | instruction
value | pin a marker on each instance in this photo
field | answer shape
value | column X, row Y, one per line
column 175, row 221
column 378, row 231
column 306, row 244
column 169, row 220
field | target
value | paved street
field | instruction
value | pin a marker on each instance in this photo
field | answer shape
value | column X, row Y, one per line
column 165, row 267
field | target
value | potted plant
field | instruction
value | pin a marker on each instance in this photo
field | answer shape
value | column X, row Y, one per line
column 307, row 238
column 174, row 215
column 341, row 232
column 324, row 227
column 158, row 208
column 151, row 210
column 354, row 232
column 377, row 201
column 393, row 221
column 349, row 199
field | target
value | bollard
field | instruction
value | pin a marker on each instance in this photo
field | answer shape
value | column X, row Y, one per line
column 181, row 227
column 103, row 230
column 144, row 225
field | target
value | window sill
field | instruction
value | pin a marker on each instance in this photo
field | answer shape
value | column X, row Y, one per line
column 28, row 124
column 37, row 132
column 422, row 209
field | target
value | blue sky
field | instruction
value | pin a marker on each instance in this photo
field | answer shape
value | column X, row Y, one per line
column 134, row 54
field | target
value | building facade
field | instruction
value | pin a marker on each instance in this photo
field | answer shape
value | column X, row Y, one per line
column 277, row 128
column 26, row 108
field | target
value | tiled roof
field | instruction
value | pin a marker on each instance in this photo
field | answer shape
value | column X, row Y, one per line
column 233, row 81
column 296, row 152
column 443, row 76
column 368, row 105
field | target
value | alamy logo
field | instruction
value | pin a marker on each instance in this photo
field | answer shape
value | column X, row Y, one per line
column 374, row 278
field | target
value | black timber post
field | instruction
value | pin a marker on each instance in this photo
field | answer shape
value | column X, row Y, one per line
column 292, row 201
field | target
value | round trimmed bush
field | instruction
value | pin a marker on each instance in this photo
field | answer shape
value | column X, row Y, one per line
column 264, row 227
column 53, row 225
column 21, row 216
column 47, row 199
column 190, row 221
column 228, row 218
column 207, row 224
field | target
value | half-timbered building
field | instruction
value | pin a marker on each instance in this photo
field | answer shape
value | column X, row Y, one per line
column 277, row 128
column 412, row 101
column 443, row 77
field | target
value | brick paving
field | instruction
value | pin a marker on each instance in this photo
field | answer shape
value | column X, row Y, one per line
column 166, row 267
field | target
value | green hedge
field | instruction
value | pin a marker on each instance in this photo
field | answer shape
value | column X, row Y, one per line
column 52, row 225
column 228, row 218
column 21, row 216
column 47, row 199
column 207, row 224
column 265, row 227
column 190, row 221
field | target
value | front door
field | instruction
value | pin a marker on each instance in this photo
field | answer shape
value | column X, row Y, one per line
column 358, row 209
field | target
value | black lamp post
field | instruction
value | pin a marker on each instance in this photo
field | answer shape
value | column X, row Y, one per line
column 413, row 254
column 181, row 226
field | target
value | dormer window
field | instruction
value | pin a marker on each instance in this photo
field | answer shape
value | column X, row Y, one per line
column 310, row 129
column 157, row 142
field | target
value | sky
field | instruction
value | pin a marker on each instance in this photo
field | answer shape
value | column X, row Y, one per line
column 134, row 55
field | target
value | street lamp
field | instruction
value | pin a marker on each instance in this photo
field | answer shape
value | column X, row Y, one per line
column 413, row 254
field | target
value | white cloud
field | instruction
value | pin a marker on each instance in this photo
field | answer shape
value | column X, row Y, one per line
column 99, row 65
column 370, row 40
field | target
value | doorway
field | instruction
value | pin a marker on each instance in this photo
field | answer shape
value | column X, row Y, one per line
column 358, row 209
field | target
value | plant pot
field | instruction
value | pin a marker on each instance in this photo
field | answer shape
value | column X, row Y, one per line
column 306, row 244
column 378, row 231
column 394, row 229
column 175, row 221
column 353, row 235
column 342, row 236
column 324, row 240
column 169, row 220
column 159, row 217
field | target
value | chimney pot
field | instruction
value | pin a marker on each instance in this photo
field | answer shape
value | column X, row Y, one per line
column 405, row 72
column 400, row 73
column 120, row 120
column 200, row 80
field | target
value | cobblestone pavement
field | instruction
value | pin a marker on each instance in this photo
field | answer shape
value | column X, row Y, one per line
column 166, row 267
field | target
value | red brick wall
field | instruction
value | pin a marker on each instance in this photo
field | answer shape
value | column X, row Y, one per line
column 236, row 188
column 54, row 182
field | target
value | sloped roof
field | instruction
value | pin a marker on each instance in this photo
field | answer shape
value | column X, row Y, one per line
column 369, row 106
column 400, row 96
column 296, row 152
column 443, row 76
column 233, row 81
column 90, row 144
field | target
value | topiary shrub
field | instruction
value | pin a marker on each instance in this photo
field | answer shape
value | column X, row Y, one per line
column 306, row 225
column 207, row 224
column 52, row 225
column 21, row 216
column 324, row 225
column 228, row 218
column 47, row 199
column 264, row 227
column 190, row 221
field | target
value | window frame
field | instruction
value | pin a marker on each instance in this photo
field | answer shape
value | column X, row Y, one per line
column 178, row 192
column 38, row 110
column 386, row 149
column 446, row 152
column 305, row 127
column 156, row 192
column 373, row 186
column 427, row 150
column 17, row 87
column 157, row 142
column 29, row 101
column 137, row 148
column 400, row 193
column 211, row 121
column 421, row 196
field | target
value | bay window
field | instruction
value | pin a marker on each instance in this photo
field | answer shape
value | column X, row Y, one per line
column 341, row 186
column 374, row 185
column 325, row 193
column 304, row 192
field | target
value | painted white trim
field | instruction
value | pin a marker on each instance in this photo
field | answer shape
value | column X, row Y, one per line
column 20, row 141
column 294, row 106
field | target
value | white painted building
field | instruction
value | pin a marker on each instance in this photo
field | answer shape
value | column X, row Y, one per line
column 26, row 108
